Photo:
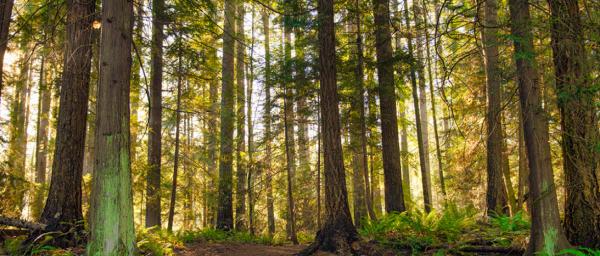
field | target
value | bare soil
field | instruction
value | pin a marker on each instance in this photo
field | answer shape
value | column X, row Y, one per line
column 238, row 249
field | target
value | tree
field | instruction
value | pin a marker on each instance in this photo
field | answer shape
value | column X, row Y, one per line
column 5, row 18
column 63, row 204
column 495, row 194
column 579, row 124
column 225, row 208
column 394, row 198
column 545, row 221
column 240, row 191
column 176, row 153
column 288, row 119
column 337, row 232
column 111, row 213
column 153, row 209
column 267, row 123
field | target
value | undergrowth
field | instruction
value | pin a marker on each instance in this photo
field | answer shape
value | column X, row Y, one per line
column 444, row 231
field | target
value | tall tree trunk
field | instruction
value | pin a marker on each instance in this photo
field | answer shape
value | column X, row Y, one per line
column 288, row 119
column 358, row 131
column 373, row 146
column 213, row 147
column 420, row 27
column 337, row 232
column 5, row 18
column 153, row 195
column 176, row 153
column 136, row 78
column 522, row 188
column 267, row 123
column 41, row 145
column 496, row 197
column 579, row 124
column 17, row 147
column 240, row 190
column 319, row 132
column 403, row 122
column 251, row 165
column 63, row 204
column 225, row 208
column 394, row 197
column 423, row 160
column 545, row 220
column 111, row 215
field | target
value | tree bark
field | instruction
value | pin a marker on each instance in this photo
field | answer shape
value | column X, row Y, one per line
column 153, row 195
column 5, row 19
column 63, row 204
column 111, row 215
column 267, row 123
column 337, row 232
column 394, row 197
column 420, row 28
column 496, row 197
column 41, row 145
column 545, row 220
column 579, row 124
column 176, row 153
column 225, row 208
column 240, row 191
column 423, row 160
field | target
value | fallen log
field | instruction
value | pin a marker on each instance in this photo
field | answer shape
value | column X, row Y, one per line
column 492, row 249
column 19, row 223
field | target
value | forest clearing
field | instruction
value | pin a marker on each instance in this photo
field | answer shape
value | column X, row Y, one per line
column 299, row 127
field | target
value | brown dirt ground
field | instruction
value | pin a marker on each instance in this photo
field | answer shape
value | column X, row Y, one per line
column 238, row 249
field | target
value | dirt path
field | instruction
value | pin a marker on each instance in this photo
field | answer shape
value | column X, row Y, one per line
column 238, row 249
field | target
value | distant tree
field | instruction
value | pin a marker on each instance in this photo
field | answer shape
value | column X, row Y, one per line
column 225, row 208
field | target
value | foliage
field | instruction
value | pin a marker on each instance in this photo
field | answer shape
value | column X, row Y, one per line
column 215, row 235
column 157, row 242
column 419, row 230
column 452, row 228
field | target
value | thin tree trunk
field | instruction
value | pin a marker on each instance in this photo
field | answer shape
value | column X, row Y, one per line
column 267, row 123
column 251, row 165
column 394, row 197
column 546, row 231
column 319, row 132
column 241, row 175
column 176, row 153
column 225, row 208
column 63, row 205
column 41, row 146
column 111, row 215
column 423, row 159
column 420, row 27
column 153, row 195
column 288, row 119
column 5, row 18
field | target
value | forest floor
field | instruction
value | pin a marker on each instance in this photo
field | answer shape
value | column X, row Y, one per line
column 238, row 249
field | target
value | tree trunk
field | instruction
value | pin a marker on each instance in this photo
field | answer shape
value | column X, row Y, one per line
column 496, row 197
column 111, row 215
column 579, row 124
column 423, row 159
column 288, row 119
column 267, row 123
column 251, row 164
column 5, row 18
column 522, row 188
column 212, row 144
column 153, row 208
column 337, row 232
column 420, row 28
column 63, row 204
column 394, row 197
column 358, row 132
column 176, row 153
column 41, row 145
column 225, row 208
column 240, row 190
column 545, row 220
